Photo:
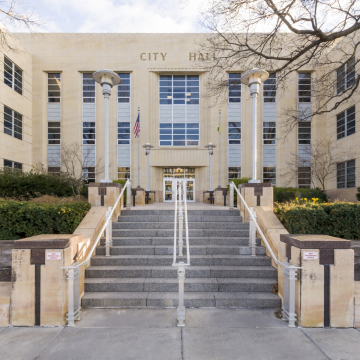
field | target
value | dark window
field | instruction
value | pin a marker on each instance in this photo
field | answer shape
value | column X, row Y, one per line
column 54, row 87
column 269, row 88
column 304, row 177
column 234, row 88
column 304, row 87
column 269, row 133
column 13, row 75
column 89, row 174
column 346, row 174
column 54, row 133
column 304, row 132
column 89, row 133
column 123, row 173
column 13, row 123
column 234, row 133
column 345, row 123
column 346, row 75
column 88, row 88
column 124, row 88
column 269, row 175
column 13, row 164
column 234, row 173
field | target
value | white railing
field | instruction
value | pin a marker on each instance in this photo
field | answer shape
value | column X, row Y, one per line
column 73, row 271
column 180, row 197
column 289, row 271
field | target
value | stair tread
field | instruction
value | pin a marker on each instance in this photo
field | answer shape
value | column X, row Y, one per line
column 171, row 246
column 171, row 256
column 215, row 267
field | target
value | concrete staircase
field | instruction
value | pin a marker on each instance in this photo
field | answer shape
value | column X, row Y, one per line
column 139, row 273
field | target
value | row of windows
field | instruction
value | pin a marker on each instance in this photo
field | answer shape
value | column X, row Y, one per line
column 179, row 134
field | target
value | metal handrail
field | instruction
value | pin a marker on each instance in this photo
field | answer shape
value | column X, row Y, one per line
column 73, row 271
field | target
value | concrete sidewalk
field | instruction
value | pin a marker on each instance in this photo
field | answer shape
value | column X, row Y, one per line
column 210, row 334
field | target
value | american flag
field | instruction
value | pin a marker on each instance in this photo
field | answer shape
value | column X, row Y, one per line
column 137, row 126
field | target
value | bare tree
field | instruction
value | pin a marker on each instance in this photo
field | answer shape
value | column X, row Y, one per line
column 286, row 36
column 18, row 15
column 318, row 160
column 77, row 162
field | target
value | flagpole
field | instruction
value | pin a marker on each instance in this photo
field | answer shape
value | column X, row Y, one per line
column 219, row 148
column 138, row 154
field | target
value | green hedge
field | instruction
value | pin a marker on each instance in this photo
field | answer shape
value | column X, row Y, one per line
column 122, row 182
column 282, row 194
column 26, row 185
column 237, row 182
column 339, row 219
column 25, row 219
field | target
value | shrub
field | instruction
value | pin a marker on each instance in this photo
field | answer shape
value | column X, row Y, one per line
column 358, row 194
column 24, row 219
column 282, row 194
column 19, row 185
column 339, row 219
column 122, row 182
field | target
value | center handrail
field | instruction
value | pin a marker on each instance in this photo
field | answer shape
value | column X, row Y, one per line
column 101, row 232
column 276, row 260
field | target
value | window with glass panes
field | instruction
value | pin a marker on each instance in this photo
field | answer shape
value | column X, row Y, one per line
column 234, row 133
column 269, row 133
column 124, row 88
column 269, row 175
column 234, row 173
column 269, row 88
column 12, row 123
column 89, row 133
column 88, row 88
column 55, row 170
column 346, row 75
column 304, row 132
column 345, row 173
column 54, row 91
column 88, row 174
column 179, row 90
column 304, row 177
column 345, row 123
column 123, row 133
column 12, row 164
column 13, row 75
column 304, row 87
column 234, row 88
column 54, row 136
column 123, row 173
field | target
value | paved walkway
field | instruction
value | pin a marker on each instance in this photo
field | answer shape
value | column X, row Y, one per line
column 210, row 334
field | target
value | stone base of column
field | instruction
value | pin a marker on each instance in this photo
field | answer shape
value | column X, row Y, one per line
column 221, row 197
column 149, row 197
column 137, row 197
column 255, row 194
column 208, row 197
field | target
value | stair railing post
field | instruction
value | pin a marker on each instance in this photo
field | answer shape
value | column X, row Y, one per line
column 252, row 232
column 108, row 232
column 128, row 195
column 70, row 316
column 181, row 222
column 231, row 196
column 181, row 307
column 288, row 309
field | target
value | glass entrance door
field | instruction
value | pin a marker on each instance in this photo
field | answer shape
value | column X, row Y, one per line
column 169, row 189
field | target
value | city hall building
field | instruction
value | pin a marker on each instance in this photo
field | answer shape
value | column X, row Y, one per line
column 48, row 99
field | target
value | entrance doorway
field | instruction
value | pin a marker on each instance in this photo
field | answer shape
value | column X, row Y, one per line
column 169, row 183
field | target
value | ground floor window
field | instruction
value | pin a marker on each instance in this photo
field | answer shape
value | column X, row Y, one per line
column 123, row 173
column 89, row 175
column 304, row 177
column 188, row 173
column 345, row 173
column 269, row 175
column 54, row 170
column 234, row 173
column 13, row 164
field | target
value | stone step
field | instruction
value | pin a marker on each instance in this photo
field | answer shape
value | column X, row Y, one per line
column 215, row 224
column 172, row 285
column 171, row 272
column 215, row 212
column 169, row 233
column 141, row 241
column 169, row 250
column 170, row 218
column 170, row 299
column 166, row 260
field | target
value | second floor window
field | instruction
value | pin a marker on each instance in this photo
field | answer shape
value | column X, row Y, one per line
column 54, row 91
column 345, row 123
column 304, row 132
column 123, row 133
column 13, row 123
column 234, row 135
column 234, row 88
column 124, row 88
column 304, row 87
column 269, row 133
column 346, row 75
column 54, row 133
column 345, row 174
column 269, row 90
column 88, row 88
column 13, row 75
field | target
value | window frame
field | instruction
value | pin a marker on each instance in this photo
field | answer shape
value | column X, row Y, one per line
column 84, row 91
column 127, row 171
column 340, row 134
column 13, row 167
column 48, row 84
column 13, row 77
column 346, row 166
column 87, row 179
column 268, row 86
column 273, row 140
column 304, row 186
column 304, row 140
column 302, row 96
column 89, row 141
column 236, row 84
column 266, row 179
column 235, row 172
column 234, row 127
column 342, row 76
column 124, row 127
column 119, row 88
column 12, row 130
column 55, row 127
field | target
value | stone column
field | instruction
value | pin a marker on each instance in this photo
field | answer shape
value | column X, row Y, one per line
column 324, row 295
column 137, row 197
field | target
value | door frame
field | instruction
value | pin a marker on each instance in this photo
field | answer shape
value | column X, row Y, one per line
column 173, row 180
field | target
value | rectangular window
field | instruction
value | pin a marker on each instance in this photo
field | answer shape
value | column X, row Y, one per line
column 124, row 88
column 269, row 90
column 179, row 89
column 54, row 92
column 346, row 75
column 88, row 88
column 89, row 175
column 304, row 132
column 54, row 170
column 234, row 88
column 12, row 164
column 304, row 87
column 123, row 133
column 13, row 75
column 234, row 133
column 123, row 173
column 54, row 132
column 89, row 133
column 345, row 123
column 179, row 134
column 269, row 175
column 234, row 173
column 269, row 133
column 13, row 123
column 345, row 174
column 304, row 177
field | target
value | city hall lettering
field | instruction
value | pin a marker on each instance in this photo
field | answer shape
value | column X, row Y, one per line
column 161, row 56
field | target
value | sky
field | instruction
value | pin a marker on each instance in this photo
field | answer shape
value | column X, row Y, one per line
column 136, row 16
